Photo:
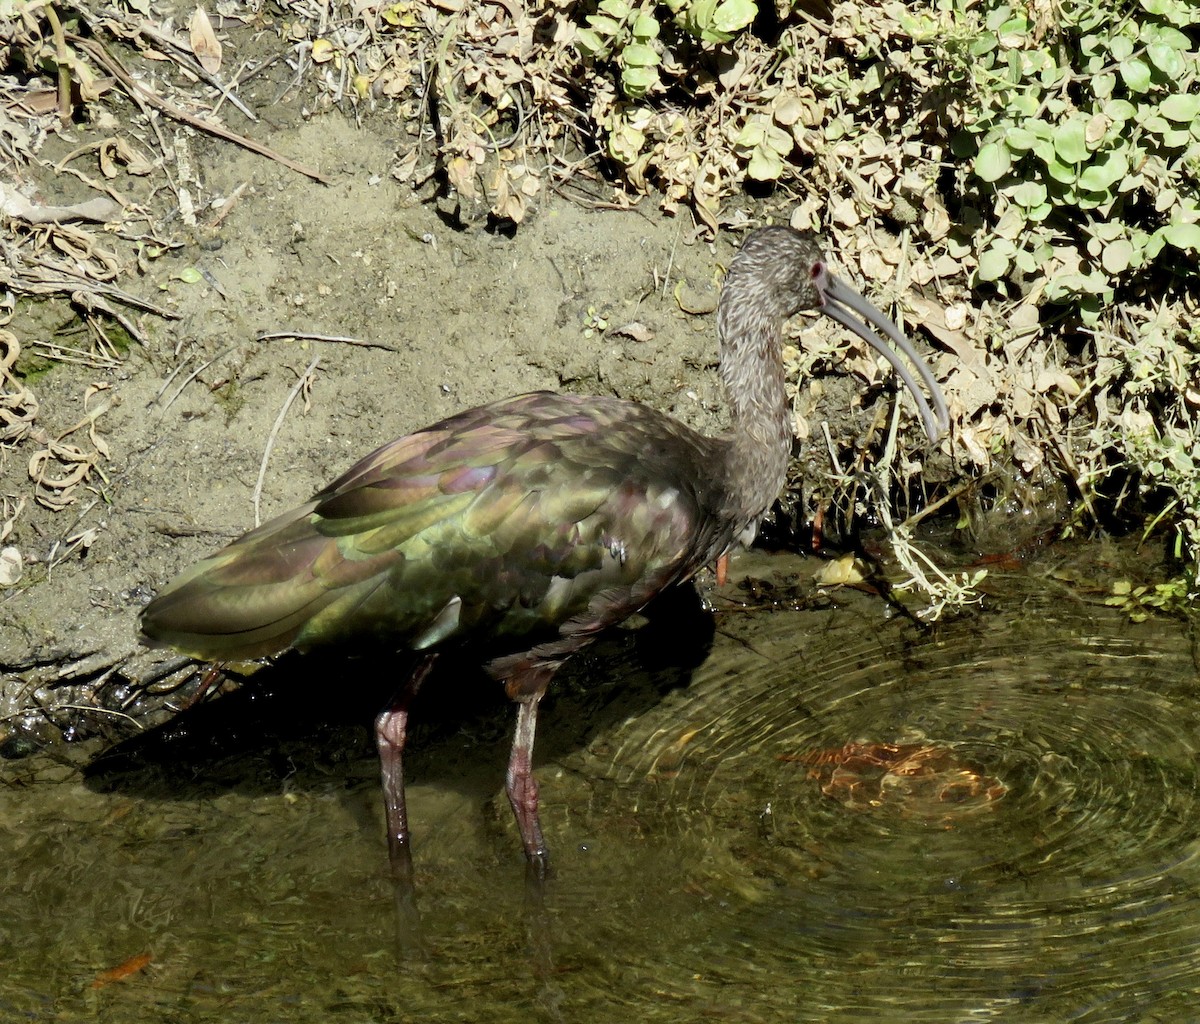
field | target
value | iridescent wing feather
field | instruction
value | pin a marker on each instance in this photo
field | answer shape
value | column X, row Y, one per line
column 540, row 516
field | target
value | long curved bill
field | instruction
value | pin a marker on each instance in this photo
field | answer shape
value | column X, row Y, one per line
column 840, row 301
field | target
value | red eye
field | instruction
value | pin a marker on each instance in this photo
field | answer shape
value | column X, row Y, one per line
column 818, row 268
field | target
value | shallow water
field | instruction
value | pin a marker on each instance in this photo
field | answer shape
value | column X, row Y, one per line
column 840, row 817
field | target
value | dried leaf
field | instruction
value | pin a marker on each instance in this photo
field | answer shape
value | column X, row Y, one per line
column 636, row 330
column 73, row 466
column 843, row 212
column 10, row 510
column 1026, row 453
column 405, row 167
column 461, row 173
column 15, row 205
column 18, row 405
column 11, row 566
column 937, row 320
column 1051, row 378
column 966, row 436
column 789, row 109
column 692, row 301
column 205, row 44
column 118, row 150
column 841, row 572
column 875, row 267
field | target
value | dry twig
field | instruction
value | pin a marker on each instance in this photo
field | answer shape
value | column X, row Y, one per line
column 334, row 338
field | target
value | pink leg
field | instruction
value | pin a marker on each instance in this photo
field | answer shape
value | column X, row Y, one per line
column 522, row 786
column 391, row 730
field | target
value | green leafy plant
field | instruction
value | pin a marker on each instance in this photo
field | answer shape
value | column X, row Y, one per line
column 764, row 144
column 627, row 34
column 1086, row 134
column 1174, row 597
column 714, row 21
column 1157, row 426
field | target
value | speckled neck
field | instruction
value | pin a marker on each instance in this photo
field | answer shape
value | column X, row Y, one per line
column 750, row 335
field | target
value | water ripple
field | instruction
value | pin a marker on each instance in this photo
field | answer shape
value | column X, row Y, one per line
column 1001, row 813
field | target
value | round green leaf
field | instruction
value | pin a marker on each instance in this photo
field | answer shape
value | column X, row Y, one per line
column 992, row 162
column 983, row 43
column 1117, row 256
column 1024, row 104
column 1105, row 170
column 776, row 139
column 1026, row 262
column 589, row 42
column 1135, row 74
column 645, row 26
column 1060, row 172
column 1102, row 84
column 1052, row 75
column 752, row 134
column 1019, row 139
column 734, row 15
column 1164, row 9
column 604, row 25
column 1120, row 110
column 1109, row 231
column 1029, row 194
column 765, row 164
column 1153, row 32
column 993, row 265
column 639, row 55
column 1174, row 12
column 1121, row 48
column 1182, row 236
column 698, row 16
column 1057, row 107
column 1070, row 142
column 1093, row 18
column 1014, row 31
column 637, row 81
column 1166, row 58
column 1181, row 107
column 1043, row 149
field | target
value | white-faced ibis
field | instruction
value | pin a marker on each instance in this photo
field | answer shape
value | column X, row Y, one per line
column 526, row 527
